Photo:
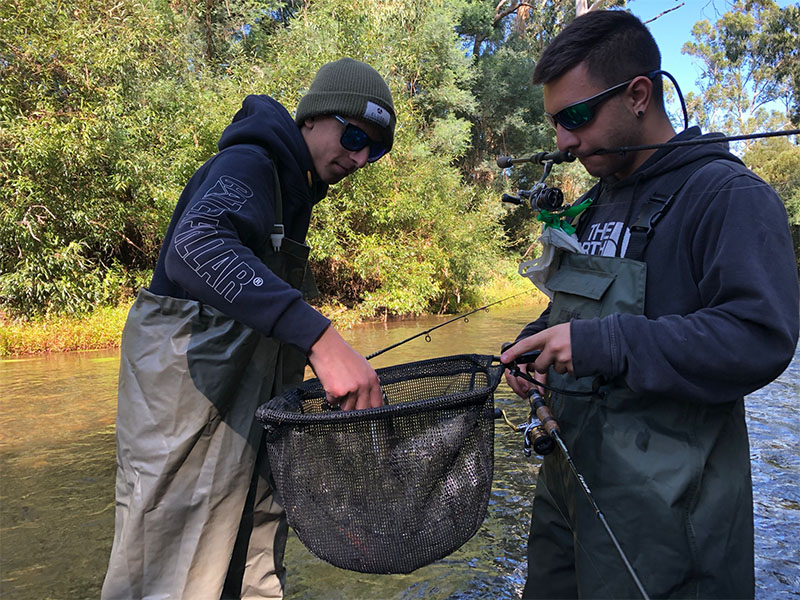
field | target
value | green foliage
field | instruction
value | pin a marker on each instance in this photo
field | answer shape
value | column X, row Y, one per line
column 409, row 233
column 111, row 109
column 64, row 281
column 779, row 46
column 406, row 235
column 100, row 329
column 99, row 135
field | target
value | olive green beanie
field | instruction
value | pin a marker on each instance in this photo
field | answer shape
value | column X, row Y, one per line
column 350, row 88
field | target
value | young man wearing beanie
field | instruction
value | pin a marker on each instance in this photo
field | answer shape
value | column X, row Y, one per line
column 225, row 326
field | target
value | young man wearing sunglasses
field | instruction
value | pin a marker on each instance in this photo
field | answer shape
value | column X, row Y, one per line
column 224, row 327
column 684, row 300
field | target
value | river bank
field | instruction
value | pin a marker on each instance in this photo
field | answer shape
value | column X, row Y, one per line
column 102, row 329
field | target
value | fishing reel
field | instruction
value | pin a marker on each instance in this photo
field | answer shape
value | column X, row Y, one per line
column 537, row 430
column 534, row 433
column 540, row 197
column 537, row 438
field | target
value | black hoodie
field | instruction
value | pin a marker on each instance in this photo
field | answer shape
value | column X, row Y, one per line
column 721, row 305
column 225, row 215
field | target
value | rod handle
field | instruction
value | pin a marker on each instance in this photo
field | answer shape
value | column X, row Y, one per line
column 543, row 412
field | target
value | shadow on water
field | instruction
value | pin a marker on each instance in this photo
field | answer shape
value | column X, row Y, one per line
column 57, row 488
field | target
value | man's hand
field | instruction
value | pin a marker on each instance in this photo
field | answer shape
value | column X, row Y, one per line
column 522, row 386
column 348, row 379
column 556, row 350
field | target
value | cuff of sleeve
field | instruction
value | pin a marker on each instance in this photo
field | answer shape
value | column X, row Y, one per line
column 591, row 347
column 300, row 325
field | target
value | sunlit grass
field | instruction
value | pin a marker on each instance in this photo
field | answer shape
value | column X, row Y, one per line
column 100, row 329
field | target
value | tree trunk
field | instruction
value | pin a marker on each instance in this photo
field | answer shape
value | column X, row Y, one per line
column 583, row 6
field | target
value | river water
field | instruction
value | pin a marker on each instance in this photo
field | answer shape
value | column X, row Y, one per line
column 57, row 479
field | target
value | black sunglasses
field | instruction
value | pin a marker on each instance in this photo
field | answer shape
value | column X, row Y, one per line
column 354, row 139
column 581, row 112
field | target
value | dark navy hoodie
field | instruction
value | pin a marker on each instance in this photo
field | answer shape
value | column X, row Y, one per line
column 721, row 304
column 226, row 213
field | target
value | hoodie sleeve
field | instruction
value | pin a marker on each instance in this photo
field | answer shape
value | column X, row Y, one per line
column 211, row 252
column 731, row 291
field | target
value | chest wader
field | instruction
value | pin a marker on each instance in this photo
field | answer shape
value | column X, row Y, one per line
column 194, row 508
column 671, row 476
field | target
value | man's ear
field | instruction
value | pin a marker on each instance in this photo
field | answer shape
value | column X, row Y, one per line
column 639, row 94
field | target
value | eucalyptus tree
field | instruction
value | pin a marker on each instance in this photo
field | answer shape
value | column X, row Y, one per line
column 750, row 82
column 748, row 59
column 504, row 40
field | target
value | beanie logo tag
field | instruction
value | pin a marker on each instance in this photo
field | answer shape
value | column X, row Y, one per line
column 380, row 115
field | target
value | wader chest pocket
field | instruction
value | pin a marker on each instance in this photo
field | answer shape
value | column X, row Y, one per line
column 577, row 294
column 291, row 265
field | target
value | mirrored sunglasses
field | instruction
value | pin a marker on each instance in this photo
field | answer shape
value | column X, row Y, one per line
column 354, row 139
column 581, row 112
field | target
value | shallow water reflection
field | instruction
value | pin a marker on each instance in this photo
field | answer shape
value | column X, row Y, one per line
column 57, row 488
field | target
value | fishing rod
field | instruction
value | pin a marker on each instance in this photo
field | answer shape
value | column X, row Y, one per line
column 697, row 141
column 427, row 332
column 547, row 201
column 557, row 157
column 540, row 421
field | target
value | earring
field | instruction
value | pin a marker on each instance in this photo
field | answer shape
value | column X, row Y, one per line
column 640, row 113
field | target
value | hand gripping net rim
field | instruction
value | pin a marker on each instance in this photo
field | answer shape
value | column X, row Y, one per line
column 394, row 488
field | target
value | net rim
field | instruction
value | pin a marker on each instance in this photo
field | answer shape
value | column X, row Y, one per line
column 476, row 396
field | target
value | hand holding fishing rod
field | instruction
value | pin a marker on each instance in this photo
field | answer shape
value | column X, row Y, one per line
column 536, row 431
column 552, row 348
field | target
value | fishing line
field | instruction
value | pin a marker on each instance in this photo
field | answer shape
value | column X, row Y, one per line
column 427, row 332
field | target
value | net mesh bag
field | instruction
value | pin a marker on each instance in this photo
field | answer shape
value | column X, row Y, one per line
column 393, row 488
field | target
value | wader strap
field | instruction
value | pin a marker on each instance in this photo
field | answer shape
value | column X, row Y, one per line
column 656, row 206
column 277, row 229
column 277, row 233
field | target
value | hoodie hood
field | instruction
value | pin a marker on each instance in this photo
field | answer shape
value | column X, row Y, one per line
column 264, row 122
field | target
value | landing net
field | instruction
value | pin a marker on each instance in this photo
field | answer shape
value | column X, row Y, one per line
column 394, row 488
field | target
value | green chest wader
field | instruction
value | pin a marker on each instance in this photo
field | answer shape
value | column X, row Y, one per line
column 192, row 478
column 672, row 477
